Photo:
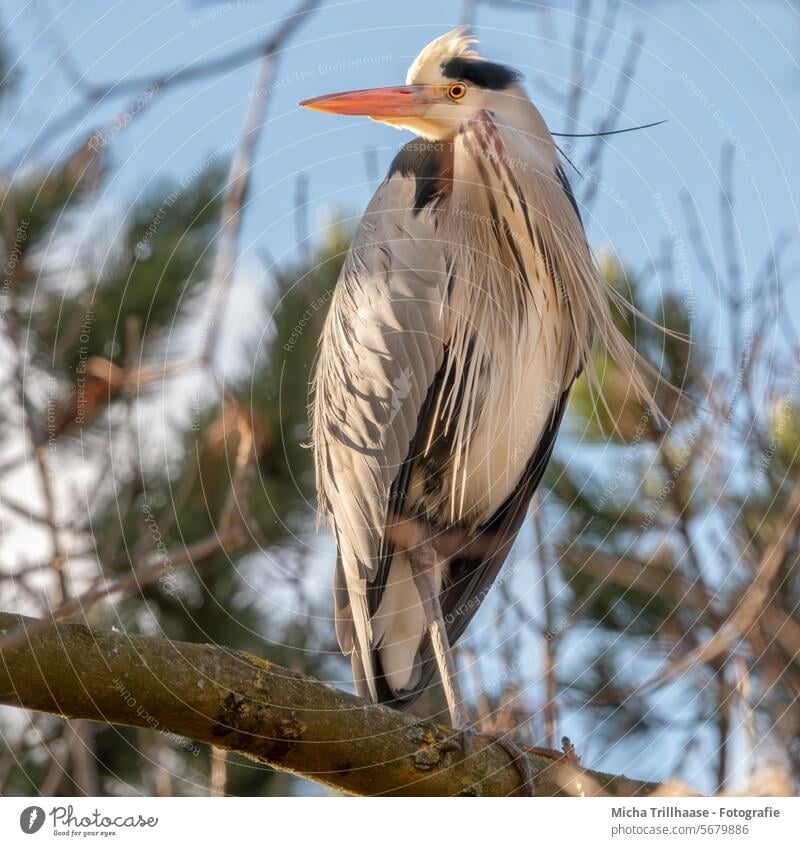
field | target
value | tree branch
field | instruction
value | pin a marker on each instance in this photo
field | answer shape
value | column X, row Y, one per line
column 235, row 701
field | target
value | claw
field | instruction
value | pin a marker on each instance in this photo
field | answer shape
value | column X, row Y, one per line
column 518, row 756
column 467, row 737
column 521, row 763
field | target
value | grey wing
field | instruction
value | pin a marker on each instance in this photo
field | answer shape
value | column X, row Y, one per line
column 380, row 350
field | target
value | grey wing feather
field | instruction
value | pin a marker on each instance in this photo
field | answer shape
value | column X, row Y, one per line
column 380, row 350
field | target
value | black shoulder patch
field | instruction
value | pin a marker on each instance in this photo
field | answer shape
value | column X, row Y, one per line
column 480, row 72
column 562, row 178
column 430, row 163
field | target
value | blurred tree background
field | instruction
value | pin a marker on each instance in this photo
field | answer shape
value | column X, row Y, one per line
column 650, row 603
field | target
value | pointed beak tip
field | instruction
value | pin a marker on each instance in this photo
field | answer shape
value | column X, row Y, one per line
column 314, row 104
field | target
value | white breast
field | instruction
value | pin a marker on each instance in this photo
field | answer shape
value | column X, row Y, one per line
column 520, row 395
column 509, row 333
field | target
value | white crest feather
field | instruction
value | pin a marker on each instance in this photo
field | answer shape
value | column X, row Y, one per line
column 427, row 65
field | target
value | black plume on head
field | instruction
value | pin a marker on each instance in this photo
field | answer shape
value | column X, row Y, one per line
column 480, row 72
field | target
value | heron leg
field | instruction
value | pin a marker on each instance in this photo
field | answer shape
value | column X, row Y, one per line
column 423, row 566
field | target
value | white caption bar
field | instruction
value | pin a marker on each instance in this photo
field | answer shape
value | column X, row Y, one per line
column 338, row 821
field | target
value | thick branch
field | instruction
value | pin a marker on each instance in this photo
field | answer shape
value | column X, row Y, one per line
column 236, row 701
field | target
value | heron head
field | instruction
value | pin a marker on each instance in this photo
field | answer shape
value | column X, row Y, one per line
column 447, row 85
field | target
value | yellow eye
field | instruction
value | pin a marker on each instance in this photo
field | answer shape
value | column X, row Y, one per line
column 457, row 90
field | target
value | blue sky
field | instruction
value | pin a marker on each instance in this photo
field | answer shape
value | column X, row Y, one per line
column 722, row 71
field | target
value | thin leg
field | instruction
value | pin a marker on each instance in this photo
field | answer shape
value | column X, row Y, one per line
column 423, row 564
column 423, row 568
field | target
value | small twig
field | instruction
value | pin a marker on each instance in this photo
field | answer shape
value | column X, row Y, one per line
column 94, row 94
column 145, row 575
column 551, row 682
column 728, row 223
column 218, row 775
column 56, row 772
column 724, row 725
column 700, row 245
column 609, row 122
column 235, row 512
column 598, row 51
column 80, row 741
column 25, row 511
column 469, row 10
column 226, row 537
column 751, row 603
column 239, row 177
column 37, row 437
column 301, row 213
column 577, row 62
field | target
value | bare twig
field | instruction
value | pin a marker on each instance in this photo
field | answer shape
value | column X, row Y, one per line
column 80, row 740
column 227, row 536
column 576, row 88
column 551, row 683
column 301, row 213
column 31, row 426
column 144, row 575
column 609, row 122
column 95, row 93
column 469, row 9
column 218, row 776
column 239, row 175
column 750, row 604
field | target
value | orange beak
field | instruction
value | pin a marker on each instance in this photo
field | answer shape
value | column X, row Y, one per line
column 395, row 101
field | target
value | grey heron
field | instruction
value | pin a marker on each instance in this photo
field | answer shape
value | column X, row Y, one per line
column 468, row 304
